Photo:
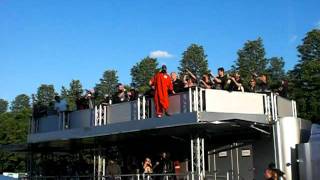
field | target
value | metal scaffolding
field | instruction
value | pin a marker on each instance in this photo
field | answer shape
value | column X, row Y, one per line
column 197, row 158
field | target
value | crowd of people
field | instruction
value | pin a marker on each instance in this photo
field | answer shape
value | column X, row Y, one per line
column 164, row 84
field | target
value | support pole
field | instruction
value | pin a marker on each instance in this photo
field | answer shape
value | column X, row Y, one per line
column 197, row 159
column 138, row 108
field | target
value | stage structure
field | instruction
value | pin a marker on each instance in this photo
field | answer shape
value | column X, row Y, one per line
column 213, row 134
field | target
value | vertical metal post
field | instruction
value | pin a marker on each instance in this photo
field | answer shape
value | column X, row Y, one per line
column 232, row 164
column 190, row 100
column 94, row 166
column 103, row 167
column 197, row 99
column 105, row 115
column 96, row 115
column 214, row 164
column 138, row 106
column 100, row 115
column 202, row 152
column 238, row 165
column 197, row 158
column 143, row 107
column 201, row 99
column 192, row 161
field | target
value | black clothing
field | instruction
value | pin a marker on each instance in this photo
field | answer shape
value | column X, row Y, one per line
column 223, row 83
column 283, row 91
column 165, row 166
column 134, row 95
column 252, row 89
column 263, row 87
column 178, row 86
column 120, row 97
column 233, row 86
column 208, row 83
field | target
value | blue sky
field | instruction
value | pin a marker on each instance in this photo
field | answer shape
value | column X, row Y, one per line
column 55, row 41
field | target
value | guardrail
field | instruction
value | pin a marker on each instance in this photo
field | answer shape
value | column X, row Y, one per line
column 144, row 176
column 195, row 100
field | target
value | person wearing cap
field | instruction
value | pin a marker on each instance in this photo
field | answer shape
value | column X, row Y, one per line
column 161, row 82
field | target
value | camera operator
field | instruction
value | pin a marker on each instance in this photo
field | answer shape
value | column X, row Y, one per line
column 235, row 83
column 189, row 80
column 206, row 81
column 262, row 85
column 121, row 95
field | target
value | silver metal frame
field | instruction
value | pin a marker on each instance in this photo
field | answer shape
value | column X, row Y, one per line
column 197, row 158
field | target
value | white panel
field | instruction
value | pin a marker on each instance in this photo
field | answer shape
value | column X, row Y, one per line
column 234, row 102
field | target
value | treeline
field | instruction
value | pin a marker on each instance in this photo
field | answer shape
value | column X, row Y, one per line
column 304, row 86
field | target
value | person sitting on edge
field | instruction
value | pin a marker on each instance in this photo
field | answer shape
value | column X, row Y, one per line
column 178, row 85
column 220, row 80
column 162, row 84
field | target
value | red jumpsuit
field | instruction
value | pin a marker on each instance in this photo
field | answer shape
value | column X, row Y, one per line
column 162, row 83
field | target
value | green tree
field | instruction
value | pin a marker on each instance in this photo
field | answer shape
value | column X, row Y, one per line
column 20, row 103
column 75, row 90
column 107, row 85
column 142, row 72
column 64, row 92
column 45, row 95
column 275, row 71
column 195, row 60
column 3, row 106
column 14, row 126
column 306, row 77
column 251, row 59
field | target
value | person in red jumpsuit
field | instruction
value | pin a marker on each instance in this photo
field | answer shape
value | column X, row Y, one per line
column 161, row 83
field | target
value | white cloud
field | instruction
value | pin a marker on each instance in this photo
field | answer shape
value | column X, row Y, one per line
column 160, row 54
column 293, row 38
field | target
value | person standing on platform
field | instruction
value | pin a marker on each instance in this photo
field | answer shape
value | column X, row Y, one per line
column 178, row 85
column 221, row 80
column 162, row 84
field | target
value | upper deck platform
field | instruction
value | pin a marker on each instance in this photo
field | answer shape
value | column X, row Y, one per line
column 195, row 111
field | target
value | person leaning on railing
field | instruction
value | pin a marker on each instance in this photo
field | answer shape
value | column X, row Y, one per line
column 235, row 83
column 206, row 81
column 147, row 166
column 262, row 83
column 178, row 85
column 189, row 80
column 252, row 87
column 121, row 95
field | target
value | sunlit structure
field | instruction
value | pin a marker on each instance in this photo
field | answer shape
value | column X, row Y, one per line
column 213, row 134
